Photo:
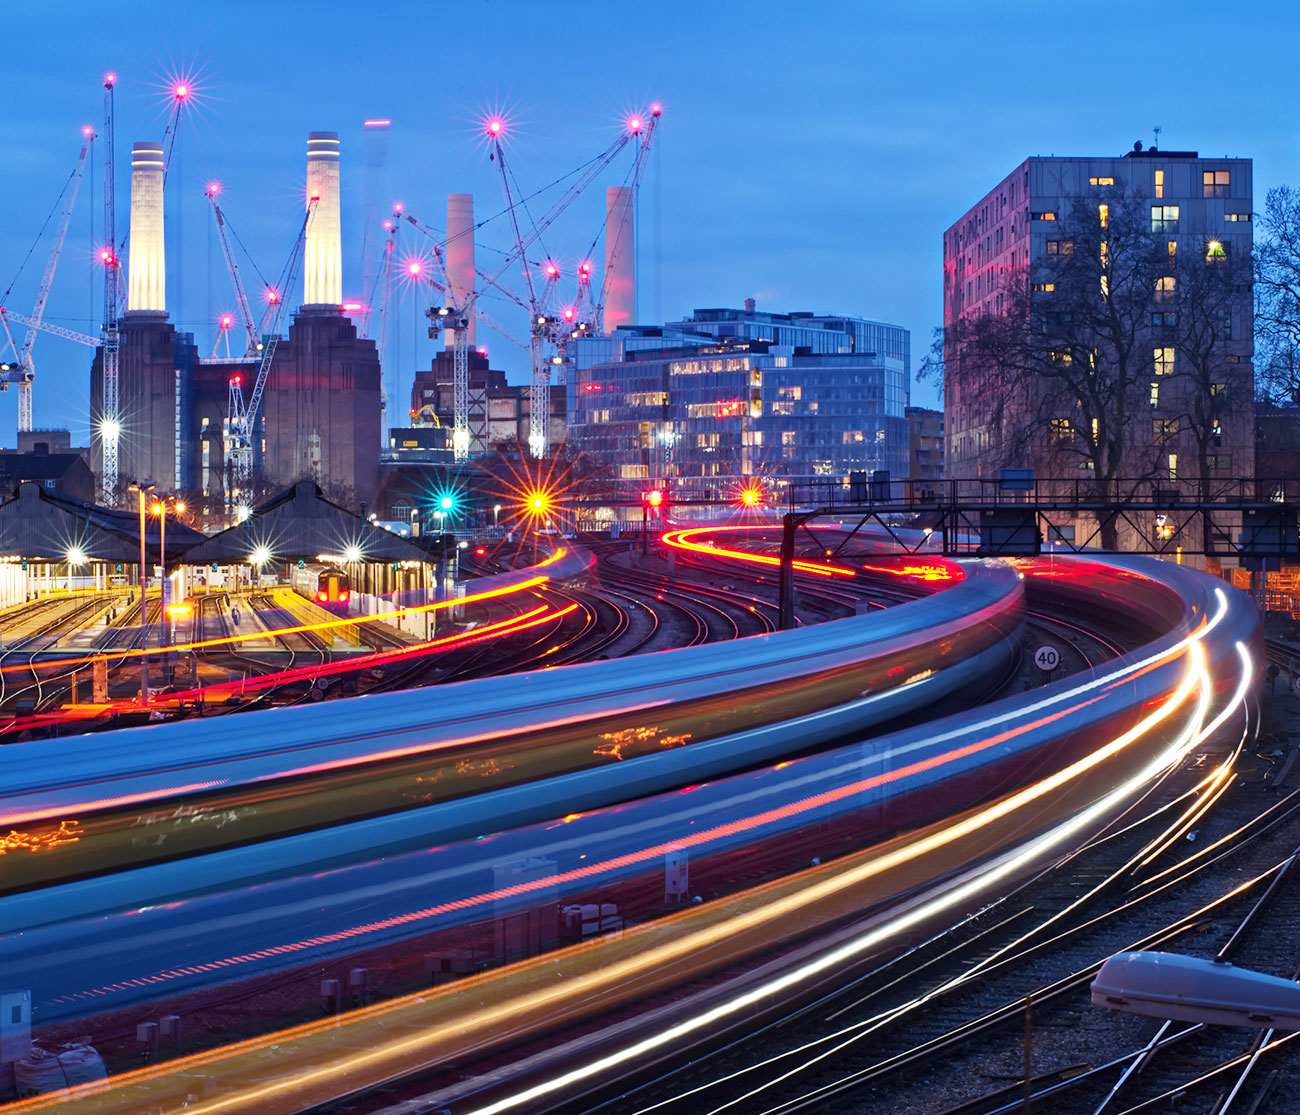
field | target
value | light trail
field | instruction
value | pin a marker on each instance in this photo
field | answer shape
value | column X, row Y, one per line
column 681, row 540
column 322, row 625
column 314, row 1057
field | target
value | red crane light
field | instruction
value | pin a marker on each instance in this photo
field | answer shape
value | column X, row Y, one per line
column 551, row 270
column 414, row 267
column 272, row 295
column 656, row 109
column 227, row 321
column 180, row 91
column 110, row 78
column 214, row 188
column 635, row 124
column 87, row 131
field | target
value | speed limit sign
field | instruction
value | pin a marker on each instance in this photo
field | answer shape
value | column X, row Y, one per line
column 1047, row 658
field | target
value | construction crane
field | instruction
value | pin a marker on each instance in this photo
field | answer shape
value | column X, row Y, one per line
column 241, row 298
column 242, row 414
column 549, row 332
column 110, row 420
column 23, row 370
column 7, row 315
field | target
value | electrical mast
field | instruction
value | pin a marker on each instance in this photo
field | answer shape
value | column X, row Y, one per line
column 110, row 422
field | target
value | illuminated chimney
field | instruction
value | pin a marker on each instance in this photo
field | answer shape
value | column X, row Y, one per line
column 323, row 255
column 147, row 275
column 460, row 256
column 620, row 259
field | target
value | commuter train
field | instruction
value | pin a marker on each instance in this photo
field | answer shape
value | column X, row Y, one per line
column 708, row 708
column 329, row 587
column 953, row 810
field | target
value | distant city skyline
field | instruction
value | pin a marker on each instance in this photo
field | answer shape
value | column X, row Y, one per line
column 811, row 163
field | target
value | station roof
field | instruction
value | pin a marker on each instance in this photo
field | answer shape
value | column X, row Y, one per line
column 301, row 523
column 42, row 525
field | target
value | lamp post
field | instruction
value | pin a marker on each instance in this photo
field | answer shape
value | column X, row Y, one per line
column 1187, row 988
column 140, row 490
column 160, row 509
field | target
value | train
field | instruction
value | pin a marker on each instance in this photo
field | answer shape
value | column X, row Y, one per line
column 328, row 586
column 174, row 790
column 887, row 827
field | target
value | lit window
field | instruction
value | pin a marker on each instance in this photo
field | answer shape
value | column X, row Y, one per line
column 1101, row 181
column 1173, row 466
column 1218, row 389
column 1165, row 288
column 1103, row 215
column 1215, row 251
column 1045, row 288
column 1164, row 218
column 787, row 437
column 1214, row 183
column 1060, row 247
column 1043, row 216
column 1105, row 286
column 1155, row 395
column 1061, row 430
column 1173, row 252
column 1060, row 356
column 1096, row 431
column 1216, row 428
column 1164, row 430
column 1164, row 360
column 1236, row 216
column 1160, row 183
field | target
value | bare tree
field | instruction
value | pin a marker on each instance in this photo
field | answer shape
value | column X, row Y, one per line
column 1277, row 298
column 1211, row 384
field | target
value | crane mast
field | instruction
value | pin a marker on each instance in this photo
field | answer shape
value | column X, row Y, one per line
column 26, row 370
column 242, row 416
column 110, row 423
column 241, row 298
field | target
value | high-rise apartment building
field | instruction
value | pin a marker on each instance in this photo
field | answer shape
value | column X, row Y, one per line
column 1097, row 324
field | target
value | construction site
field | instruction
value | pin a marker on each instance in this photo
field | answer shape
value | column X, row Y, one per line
column 285, row 394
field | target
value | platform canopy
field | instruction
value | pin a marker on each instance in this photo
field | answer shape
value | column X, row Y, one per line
column 301, row 524
column 43, row 525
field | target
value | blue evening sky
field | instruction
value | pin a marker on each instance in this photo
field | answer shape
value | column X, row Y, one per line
column 809, row 155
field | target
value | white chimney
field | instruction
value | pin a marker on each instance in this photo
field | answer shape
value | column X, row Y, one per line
column 620, row 259
column 460, row 257
column 323, row 254
column 147, row 262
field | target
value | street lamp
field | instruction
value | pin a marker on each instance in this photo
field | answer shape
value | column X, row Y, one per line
column 1169, row 985
column 160, row 509
column 496, row 515
column 140, row 490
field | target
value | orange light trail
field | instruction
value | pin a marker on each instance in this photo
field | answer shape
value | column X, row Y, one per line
column 510, row 626
column 322, row 625
column 681, row 540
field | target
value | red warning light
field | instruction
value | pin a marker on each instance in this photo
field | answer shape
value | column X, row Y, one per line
column 180, row 91
column 585, row 269
column 214, row 188
column 110, row 79
column 388, row 224
column 87, row 131
column 480, row 550
column 237, row 379
column 227, row 321
column 272, row 295
column 414, row 267
column 569, row 313
column 495, row 126
column 398, row 207
column 106, row 257
column 551, row 270
column 314, row 197
column 635, row 124
column 482, row 351
column 656, row 109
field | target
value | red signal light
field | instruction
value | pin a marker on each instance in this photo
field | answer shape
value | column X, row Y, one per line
column 479, row 551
